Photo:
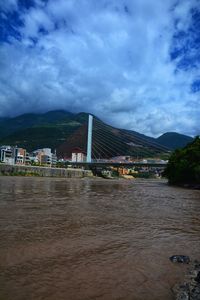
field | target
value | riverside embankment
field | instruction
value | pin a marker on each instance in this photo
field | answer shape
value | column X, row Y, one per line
column 17, row 170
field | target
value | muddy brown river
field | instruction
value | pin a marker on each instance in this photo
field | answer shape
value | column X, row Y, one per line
column 87, row 239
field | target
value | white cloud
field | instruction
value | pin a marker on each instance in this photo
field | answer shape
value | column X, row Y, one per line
column 106, row 57
column 8, row 5
column 35, row 20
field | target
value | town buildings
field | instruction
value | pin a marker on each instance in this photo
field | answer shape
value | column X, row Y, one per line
column 43, row 157
column 15, row 155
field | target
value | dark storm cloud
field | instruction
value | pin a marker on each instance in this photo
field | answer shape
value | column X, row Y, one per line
column 121, row 60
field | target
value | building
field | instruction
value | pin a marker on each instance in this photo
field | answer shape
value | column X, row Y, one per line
column 78, row 155
column 14, row 155
column 7, row 155
column 20, row 156
column 44, row 157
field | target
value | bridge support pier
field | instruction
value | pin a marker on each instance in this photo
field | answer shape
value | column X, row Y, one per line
column 89, row 139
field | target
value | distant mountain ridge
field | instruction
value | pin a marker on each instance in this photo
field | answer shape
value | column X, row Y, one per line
column 62, row 130
column 174, row 140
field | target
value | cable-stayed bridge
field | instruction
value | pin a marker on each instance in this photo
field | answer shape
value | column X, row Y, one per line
column 103, row 144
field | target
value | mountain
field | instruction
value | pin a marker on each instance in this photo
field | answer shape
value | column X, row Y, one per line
column 174, row 140
column 11, row 125
column 64, row 131
column 33, row 131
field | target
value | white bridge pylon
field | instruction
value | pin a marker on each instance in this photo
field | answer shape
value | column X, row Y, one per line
column 89, row 139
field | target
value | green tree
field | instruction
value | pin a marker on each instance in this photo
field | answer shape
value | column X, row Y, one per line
column 184, row 164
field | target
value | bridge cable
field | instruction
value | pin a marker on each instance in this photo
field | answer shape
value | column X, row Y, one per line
column 113, row 142
column 107, row 143
column 133, row 137
column 106, row 148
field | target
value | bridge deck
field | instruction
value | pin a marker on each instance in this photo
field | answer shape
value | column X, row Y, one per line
column 115, row 164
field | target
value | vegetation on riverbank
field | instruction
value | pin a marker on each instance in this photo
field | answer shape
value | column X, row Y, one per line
column 184, row 165
column 19, row 173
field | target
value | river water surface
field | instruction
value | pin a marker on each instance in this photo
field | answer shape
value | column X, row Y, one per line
column 86, row 239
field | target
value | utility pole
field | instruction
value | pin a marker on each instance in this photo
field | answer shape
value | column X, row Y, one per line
column 89, row 139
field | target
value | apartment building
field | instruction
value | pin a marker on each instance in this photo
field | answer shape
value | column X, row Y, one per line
column 78, row 155
column 14, row 155
column 44, row 157
column 7, row 155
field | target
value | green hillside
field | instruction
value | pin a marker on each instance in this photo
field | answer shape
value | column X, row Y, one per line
column 10, row 125
column 40, row 136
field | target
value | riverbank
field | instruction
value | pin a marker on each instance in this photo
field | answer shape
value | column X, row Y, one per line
column 193, row 186
column 17, row 170
column 190, row 287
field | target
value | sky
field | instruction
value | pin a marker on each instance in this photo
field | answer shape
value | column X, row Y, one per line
column 133, row 63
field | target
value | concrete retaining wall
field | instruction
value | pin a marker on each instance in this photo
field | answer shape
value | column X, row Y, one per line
column 42, row 171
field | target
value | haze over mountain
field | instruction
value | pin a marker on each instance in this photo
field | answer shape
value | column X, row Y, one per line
column 64, row 131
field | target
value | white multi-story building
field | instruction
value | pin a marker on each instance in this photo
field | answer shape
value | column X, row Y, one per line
column 7, row 155
column 78, row 155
